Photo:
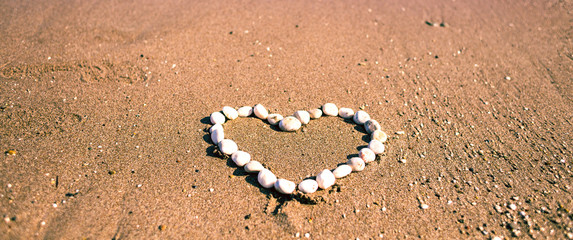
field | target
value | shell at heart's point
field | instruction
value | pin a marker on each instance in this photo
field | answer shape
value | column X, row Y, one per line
column 266, row 178
column 323, row 180
column 260, row 111
column 330, row 109
column 285, row 186
column 274, row 118
column 290, row 124
column 308, row 186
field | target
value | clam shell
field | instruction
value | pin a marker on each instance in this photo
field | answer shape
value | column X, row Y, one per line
column 361, row 117
column 345, row 113
column 260, row 111
column 253, row 166
column 245, row 111
column 302, row 116
column 356, row 163
column 217, row 135
column 227, row 146
column 330, row 109
column 266, row 178
column 285, row 186
column 372, row 125
column 241, row 158
column 230, row 113
column 367, row 155
column 308, row 186
column 376, row 146
column 217, row 117
column 274, row 118
column 342, row 171
column 379, row 135
column 290, row 124
column 325, row 179
column 214, row 127
column 315, row 113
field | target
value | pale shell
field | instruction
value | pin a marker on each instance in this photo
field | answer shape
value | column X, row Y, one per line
column 241, row 158
column 315, row 113
column 379, row 135
column 372, row 125
column 266, row 178
column 290, row 124
column 245, row 111
column 215, row 127
column 217, row 135
column 260, row 111
column 253, row 166
column 230, row 113
column 274, row 118
column 345, row 113
column 228, row 146
column 302, row 116
column 356, row 163
column 285, row 186
column 308, row 186
column 376, row 146
column 217, row 117
column 367, row 155
column 330, row 109
column 325, row 179
column 361, row 117
column 342, row 171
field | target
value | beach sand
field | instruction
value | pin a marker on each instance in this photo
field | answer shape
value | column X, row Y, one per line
column 104, row 110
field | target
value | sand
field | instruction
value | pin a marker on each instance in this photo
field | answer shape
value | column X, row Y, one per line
column 104, row 110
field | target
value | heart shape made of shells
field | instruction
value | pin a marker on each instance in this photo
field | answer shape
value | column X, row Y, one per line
column 326, row 177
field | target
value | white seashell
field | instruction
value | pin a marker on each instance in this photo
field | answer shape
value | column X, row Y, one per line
column 315, row 113
column 342, row 171
column 285, row 186
column 230, row 112
column 290, row 124
column 241, row 158
column 372, row 125
column 361, row 117
column 308, row 186
column 253, row 166
column 345, row 113
column 266, row 178
column 330, row 109
column 217, row 117
column 214, row 127
column 274, row 118
column 302, row 116
column 260, row 111
column 325, row 179
column 379, row 135
column 376, row 146
column 367, row 155
column 227, row 146
column 356, row 163
column 245, row 111
column 217, row 135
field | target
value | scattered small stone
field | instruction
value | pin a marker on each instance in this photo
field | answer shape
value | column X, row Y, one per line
column 400, row 132
column 162, row 227
column 211, row 189
column 11, row 152
column 512, row 206
column 424, row 206
column 111, row 172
